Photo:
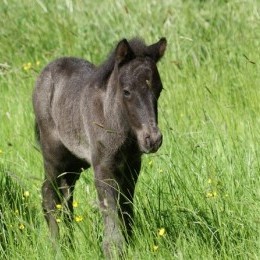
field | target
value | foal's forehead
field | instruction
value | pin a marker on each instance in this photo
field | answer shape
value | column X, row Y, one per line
column 139, row 69
column 143, row 63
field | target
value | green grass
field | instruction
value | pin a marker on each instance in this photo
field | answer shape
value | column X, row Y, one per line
column 203, row 184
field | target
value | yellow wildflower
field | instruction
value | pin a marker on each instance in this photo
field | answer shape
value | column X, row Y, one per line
column 58, row 206
column 78, row 218
column 21, row 227
column 38, row 63
column 211, row 194
column 155, row 248
column 26, row 194
column 209, row 181
column 75, row 204
column 27, row 66
column 161, row 232
column 58, row 220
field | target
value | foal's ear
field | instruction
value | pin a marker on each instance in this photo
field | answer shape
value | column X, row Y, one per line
column 156, row 50
column 123, row 52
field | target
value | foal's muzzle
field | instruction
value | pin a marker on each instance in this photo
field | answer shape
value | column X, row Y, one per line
column 150, row 141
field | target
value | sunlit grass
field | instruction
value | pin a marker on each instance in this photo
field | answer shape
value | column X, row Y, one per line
column 198, row 197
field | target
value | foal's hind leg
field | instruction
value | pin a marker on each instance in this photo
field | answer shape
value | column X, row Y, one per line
column 58, row 189
column 61, row 174
column 51, row 196
column 50, row 199
column 66, row 186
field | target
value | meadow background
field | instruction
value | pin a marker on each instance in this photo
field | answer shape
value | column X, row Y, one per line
column 199, row 196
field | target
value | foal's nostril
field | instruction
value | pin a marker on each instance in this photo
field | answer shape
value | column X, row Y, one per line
column 153, row 140
column 147, row 140
column 147, row 136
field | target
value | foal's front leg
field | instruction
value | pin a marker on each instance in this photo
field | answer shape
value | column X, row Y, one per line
column 108, row 193
column 127, row 180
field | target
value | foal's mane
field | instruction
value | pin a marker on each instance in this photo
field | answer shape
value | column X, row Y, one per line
column 103, row 71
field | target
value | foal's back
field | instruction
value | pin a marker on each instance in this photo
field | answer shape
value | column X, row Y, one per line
column 68, row 73
column 56, row 101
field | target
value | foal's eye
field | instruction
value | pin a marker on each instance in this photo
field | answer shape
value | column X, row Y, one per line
column 126, row 93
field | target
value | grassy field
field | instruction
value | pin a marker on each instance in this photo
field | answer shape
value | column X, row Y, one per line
column 199, row 196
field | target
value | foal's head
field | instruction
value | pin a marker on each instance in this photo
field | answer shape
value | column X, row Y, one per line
column 139, row 85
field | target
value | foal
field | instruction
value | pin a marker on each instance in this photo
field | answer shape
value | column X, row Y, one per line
column 104, row 117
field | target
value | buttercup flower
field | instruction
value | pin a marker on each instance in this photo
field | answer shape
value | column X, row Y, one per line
column 21, row 227
column 26, row 194
column 27, row 66
column 58, row 206
column 211, row 194
column 161, row 232
column 78, row 218
column 155, row 248
column 75, row 204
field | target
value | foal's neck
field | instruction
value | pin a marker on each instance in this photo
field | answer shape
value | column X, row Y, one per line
column 114, row 112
